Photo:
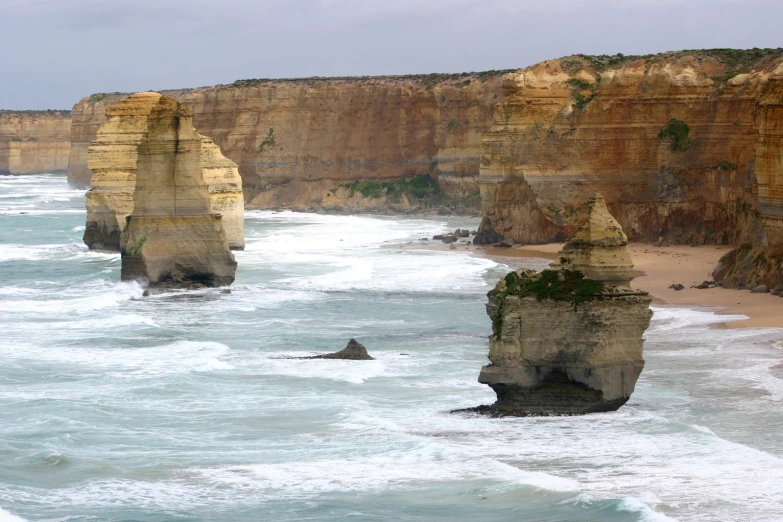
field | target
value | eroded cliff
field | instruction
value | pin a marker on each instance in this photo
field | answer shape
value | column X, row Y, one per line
column 33, row 142
column 668, row 139
column 298, row 143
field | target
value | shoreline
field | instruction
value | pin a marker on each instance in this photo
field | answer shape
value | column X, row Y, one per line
column 658, row 268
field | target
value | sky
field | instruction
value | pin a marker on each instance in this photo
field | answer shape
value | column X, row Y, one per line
column 58, row 51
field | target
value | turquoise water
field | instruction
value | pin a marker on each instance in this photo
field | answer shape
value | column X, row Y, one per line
column 179, row 407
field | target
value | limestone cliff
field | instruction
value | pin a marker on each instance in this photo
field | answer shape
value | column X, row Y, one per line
column 759, row 258
column 564, row 343
column 668, row 139
column 33, row 142
column 113, row 157
column 171, row 237
column 299, row 142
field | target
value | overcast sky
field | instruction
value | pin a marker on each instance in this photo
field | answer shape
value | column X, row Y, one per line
column 54, row 52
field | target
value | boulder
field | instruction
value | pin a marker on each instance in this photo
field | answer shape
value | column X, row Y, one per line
column 761, row 289
column 676, row 286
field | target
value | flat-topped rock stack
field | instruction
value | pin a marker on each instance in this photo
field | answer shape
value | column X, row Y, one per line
column 152, row 190
column 569, row 340
column 113, row 156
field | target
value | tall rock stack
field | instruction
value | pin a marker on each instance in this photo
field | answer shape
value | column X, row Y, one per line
column 112, row 157
column 569, row 340
column 171, row 238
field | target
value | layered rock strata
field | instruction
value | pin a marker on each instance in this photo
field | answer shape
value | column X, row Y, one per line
column 564, row 343
column 171, row 237
column 668, row 139
column 298, row 143
column 759, row 258
column 34, row 142
column 113, row 158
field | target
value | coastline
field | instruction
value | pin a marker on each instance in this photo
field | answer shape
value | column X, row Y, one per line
column 660, row 267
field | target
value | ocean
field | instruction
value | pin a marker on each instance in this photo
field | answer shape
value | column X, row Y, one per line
column 184, row 407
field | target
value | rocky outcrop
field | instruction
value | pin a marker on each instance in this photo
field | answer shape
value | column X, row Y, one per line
column 355, row 351
column 113, row 158
column 564, row 343
column 668, row 139
column 759, row 258
column 225, row 191
column 303, row 143
column 170, row 238
column 34, row 142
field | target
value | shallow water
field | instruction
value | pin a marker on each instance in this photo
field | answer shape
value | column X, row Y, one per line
column 178, row 407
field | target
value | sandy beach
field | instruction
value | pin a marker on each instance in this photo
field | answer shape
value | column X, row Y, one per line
column 660, row 267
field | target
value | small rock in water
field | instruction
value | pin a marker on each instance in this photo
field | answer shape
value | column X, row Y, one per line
column 439, row 236
column 355, row 351
column 761, row 289
column 502, row 244
column 225, row 291
column 676, row 286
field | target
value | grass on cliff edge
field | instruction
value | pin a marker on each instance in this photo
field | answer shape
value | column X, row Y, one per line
column 734, row 61
column 458, row 80
column 558, row 285
column 46, row 112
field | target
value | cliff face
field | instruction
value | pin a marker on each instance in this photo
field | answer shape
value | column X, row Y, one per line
column 113, row 158
column 759, row 258
column 33, row 142
column 668, row 140
column 295, row 141
column 564, row 343
column 171, row 237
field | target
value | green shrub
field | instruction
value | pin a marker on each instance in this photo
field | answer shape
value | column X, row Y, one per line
column 269, row 141
column 558, row 285
column 678, row 131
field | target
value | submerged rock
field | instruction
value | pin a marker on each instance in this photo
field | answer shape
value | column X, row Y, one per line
column 355, row 351
column 569, row 340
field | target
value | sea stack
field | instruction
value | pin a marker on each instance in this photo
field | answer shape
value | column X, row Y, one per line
column 171, row 237
column 113, row 159
column 568, row 341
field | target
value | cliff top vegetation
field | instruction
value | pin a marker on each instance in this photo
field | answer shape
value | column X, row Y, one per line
column 733, row 61
column 47, row 112
column 460, row 79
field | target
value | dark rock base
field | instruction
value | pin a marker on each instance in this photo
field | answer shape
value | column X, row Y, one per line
column 555, row 397
column 98, row 237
